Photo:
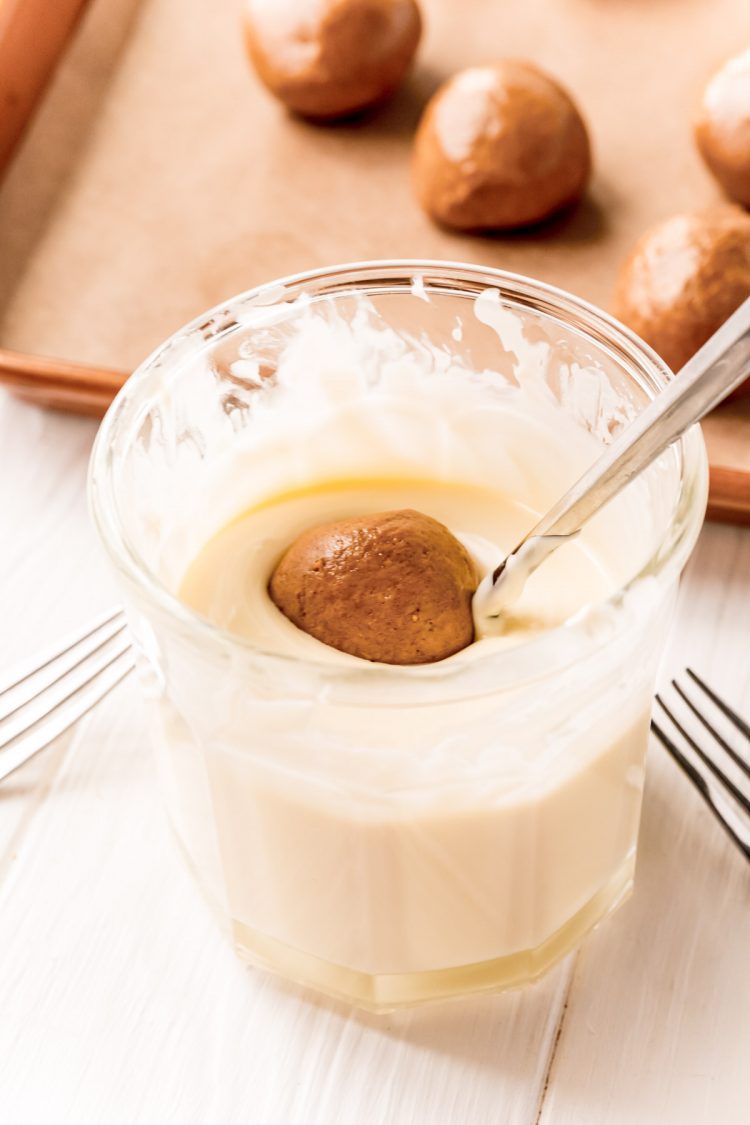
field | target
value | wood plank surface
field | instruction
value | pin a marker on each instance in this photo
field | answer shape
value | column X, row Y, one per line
column 123, row 1003
column 656, row 1027
column 121, row 998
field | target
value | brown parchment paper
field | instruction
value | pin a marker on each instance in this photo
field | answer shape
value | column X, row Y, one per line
column 159, row 177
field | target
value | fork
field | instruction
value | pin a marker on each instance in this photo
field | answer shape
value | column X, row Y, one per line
column 45, row 697
column 723, row 796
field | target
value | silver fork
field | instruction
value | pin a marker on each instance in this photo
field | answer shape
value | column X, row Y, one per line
column 722, row 794
column 49, row 694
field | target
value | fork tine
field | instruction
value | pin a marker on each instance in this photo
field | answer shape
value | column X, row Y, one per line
column 701, row 784
column 66, row 712
column 42, row 661
column 736, row 758
column 56, row 667
column 738, row 795
column 36, row 709
column 723, row 707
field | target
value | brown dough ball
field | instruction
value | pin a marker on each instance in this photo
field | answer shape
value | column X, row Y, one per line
column 722, row 128
column 395, row 587
column 331, row 58
column 684, row 278
column 499, row 147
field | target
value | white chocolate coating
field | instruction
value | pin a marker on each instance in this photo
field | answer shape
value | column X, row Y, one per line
column 227, row 581
column 378, row 836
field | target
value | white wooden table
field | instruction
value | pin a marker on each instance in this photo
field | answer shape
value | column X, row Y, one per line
column 121, row 1003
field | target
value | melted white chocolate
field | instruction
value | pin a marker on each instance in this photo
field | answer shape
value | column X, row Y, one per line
column 227, row 581
column 376, row 821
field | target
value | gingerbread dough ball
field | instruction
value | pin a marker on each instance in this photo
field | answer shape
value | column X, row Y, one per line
column 395, row 587
column 684, row 278
column 499, row 147
column 722, row 128
column 331, row 58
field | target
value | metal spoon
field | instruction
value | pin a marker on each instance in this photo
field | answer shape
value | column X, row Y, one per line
column 716, row 369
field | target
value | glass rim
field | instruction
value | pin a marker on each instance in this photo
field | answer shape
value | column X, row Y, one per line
column 670, row 553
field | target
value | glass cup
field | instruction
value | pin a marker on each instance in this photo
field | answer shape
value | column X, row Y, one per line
column 392, row 835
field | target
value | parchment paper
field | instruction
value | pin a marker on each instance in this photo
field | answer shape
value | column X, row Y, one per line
column 159, row 177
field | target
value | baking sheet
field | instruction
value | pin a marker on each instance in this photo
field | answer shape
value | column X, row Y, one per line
column 159, row 177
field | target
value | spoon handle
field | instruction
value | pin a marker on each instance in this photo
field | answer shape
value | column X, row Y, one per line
column 715, row 370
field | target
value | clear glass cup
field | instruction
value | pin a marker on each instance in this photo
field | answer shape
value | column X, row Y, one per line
column 384, row 836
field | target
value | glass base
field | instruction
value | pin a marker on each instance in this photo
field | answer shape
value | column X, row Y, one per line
column 384, row 993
